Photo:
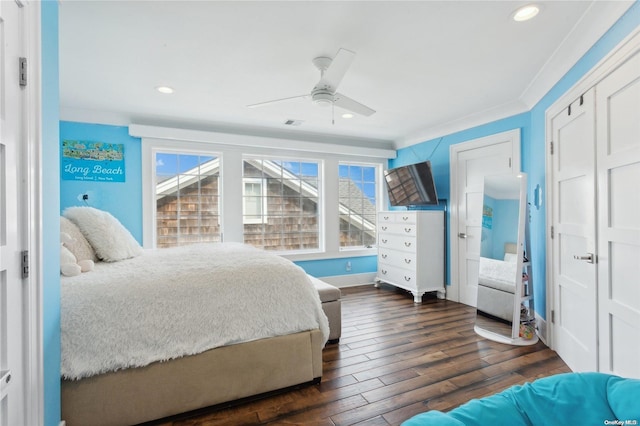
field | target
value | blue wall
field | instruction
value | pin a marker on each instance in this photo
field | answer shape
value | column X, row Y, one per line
column 330, row 267
column 532, row 126
column 121, row 199
column 124, row 199
column 50, row 217
column 437, row 150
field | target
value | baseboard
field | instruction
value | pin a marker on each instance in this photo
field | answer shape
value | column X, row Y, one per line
column 542, row 328
column 351, row 280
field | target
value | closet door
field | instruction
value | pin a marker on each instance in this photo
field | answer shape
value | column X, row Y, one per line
column 618, row 174
column 574, row 239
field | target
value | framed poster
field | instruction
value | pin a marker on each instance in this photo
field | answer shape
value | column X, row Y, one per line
column 92, row 161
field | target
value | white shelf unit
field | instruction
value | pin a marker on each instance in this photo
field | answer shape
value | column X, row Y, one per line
column 411, row 251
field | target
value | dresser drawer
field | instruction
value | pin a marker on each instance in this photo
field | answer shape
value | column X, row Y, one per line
column 397, row 217
column 398, row 276
column 398, row 228
column 397, row 242
column 402, row 259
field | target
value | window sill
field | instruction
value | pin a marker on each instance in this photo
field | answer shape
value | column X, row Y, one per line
column 346, row 253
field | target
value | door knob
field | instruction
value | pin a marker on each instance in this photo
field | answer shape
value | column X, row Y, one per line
column 462, row 235
column 589, row 257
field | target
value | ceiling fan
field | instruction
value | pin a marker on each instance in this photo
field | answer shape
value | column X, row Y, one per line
column 324, row 93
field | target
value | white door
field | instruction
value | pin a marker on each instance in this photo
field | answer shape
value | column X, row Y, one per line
column 471, row 162
column 574, row 237
column 618, row 174
column 12, row 371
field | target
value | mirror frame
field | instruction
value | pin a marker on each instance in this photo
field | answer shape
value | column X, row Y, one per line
column 514, row 338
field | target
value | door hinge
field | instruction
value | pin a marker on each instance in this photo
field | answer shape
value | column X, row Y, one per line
column 551, row 147
column 25, row 263
column 552, row 234
column 553, row 316
column 22, row 64
column 509, row 162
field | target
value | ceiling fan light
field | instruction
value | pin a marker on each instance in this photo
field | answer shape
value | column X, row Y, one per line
column 347, row 115
column 323, row 99
column 526, row 12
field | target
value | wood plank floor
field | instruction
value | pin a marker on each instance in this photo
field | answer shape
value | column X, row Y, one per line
column 394, row 360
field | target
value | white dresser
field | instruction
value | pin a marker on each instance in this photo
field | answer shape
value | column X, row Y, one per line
column 411, row 251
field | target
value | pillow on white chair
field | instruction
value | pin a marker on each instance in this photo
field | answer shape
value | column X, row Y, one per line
column 109, row 238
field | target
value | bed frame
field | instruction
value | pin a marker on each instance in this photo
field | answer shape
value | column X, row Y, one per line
column 180, row 385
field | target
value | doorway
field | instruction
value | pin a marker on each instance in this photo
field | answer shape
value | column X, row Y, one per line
column 470, row 162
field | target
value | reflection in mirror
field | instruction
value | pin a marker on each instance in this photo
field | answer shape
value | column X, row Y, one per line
column 501, row 255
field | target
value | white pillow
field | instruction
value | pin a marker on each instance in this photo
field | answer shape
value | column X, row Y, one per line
column 80, row 247
column 110, row 240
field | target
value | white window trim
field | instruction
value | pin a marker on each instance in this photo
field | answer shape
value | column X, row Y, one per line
column 306, row 189
column 379, row 198
column 263, row 190
column 232, row 226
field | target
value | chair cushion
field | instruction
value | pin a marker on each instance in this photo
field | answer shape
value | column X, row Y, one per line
column 327, row 292
column 581, row 397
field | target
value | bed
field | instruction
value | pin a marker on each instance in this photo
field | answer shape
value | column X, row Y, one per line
column 497, row 285
column 163, row 332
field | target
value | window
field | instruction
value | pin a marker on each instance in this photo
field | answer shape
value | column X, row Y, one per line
column 280, row 204
column 357, row 204
column 187, row 199
column 254, row 200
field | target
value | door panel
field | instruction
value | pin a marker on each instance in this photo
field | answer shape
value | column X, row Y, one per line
column 12, row 363
column 618, row 149
column 573, row 164
column 472, row 166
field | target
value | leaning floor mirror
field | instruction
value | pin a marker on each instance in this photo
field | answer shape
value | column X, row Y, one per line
column 505, row 300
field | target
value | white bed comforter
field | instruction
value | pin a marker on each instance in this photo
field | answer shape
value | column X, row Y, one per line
column 170, row 303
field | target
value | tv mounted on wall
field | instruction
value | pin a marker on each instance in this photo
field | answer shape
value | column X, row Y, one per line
column 411, row 185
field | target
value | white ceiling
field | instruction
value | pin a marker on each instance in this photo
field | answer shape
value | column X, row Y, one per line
column 427, row 67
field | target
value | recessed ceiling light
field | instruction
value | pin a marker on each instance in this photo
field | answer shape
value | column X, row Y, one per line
column 164, row 89
column 526, row 12
column 347, row 115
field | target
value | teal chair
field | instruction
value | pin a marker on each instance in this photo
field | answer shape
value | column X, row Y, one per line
column 563, row 399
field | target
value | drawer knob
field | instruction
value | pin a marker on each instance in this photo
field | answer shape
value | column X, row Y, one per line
column 407, row 244
column 407, row 261
column 384, row 228
column 405, row 217
column 386, row 217
column 383, row 255
column 406, row 278
column 384, row 241
column 384, row 272
column 407, row 230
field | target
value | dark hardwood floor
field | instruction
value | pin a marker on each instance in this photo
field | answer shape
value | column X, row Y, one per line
column 394, row 360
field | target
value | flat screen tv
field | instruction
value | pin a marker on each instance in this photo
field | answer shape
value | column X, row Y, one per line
column 411, row 185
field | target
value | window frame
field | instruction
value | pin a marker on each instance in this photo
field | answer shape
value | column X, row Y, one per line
column 379, row 187
column 231, row 148
column 263, row 190
column 150, row 227
column 320, row 195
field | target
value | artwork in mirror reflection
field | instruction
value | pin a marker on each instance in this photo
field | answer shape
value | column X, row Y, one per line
column 498, row 277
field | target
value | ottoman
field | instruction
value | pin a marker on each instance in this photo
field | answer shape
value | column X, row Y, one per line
column 331, row 305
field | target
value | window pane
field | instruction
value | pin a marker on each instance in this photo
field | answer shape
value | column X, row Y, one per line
column 357, row 198
column 187, row 199
column 288, row 197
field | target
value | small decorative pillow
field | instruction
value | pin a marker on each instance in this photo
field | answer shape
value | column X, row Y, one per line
column 109, row 238
column 80, row 247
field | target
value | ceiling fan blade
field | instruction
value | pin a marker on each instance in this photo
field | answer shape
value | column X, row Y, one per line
column 333, row 75
column 347, row 103
column 261, row 104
